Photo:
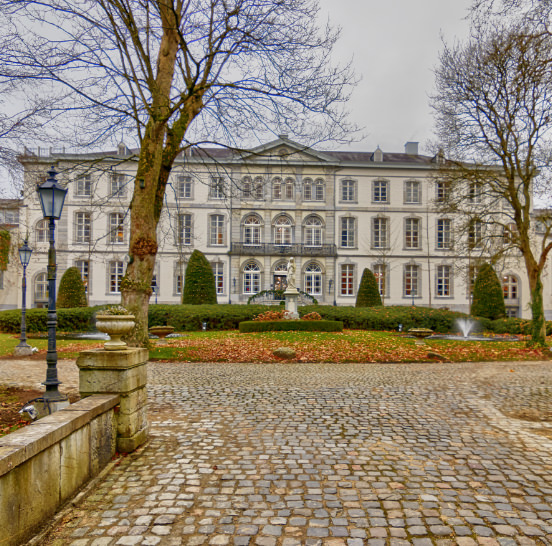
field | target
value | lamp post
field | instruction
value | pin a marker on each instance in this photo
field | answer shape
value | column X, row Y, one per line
column 24, row 349
column 52, row 197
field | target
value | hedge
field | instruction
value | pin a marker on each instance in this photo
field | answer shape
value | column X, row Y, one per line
column 191, row 317
column 388, row 318
column 79, row 319
column 289, row 325
column 228, row 317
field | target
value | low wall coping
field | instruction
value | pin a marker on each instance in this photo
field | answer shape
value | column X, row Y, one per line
column 20, row 445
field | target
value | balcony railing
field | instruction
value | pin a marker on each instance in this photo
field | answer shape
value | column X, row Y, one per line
column 271, row 249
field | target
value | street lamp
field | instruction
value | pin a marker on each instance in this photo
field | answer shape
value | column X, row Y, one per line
column 52, row 197
column 24, row 349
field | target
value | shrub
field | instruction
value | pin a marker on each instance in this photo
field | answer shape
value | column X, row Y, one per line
column 71, row 290
column 79, row 319
column 368, row 292
column 199, row 281
column 271, row 315
column 387, row 318
column 289, row 325
column 191, row 317
column 488, row 296
column 312, row 316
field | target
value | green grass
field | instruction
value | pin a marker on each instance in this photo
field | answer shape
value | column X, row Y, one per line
column 348, row 346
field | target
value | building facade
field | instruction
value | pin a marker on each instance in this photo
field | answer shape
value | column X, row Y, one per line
column 336, row 213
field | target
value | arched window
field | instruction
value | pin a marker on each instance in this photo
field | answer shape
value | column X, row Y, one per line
column 289, row 189
column 313, row 231
column 277, row 189
column 307, row 189
column 41, row 290
column 42, row 231
column 252, row 230
column 246, row 188
column 251, row 278
column 510, row 287
column 319, row 190
column 258, row 188
column 313, row 279
column 283, row 230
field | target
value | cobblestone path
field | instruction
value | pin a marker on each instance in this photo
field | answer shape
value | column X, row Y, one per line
column 302, row 454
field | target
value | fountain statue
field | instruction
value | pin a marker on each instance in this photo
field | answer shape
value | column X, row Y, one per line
column 291, row 294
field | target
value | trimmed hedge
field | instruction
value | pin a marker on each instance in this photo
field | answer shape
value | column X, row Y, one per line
column 387, row 318
column 228, row 317
column 199, row 281
column 79, row 319
column 71, row 292
column 289, row 325
column 191, row 317
column 488, row 296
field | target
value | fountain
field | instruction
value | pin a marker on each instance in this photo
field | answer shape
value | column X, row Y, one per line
column 466, row 325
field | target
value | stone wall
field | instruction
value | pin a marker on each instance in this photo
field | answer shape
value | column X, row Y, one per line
column 45, row 463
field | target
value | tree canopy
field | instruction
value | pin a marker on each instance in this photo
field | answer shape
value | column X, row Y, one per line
column 492, row 104
column 174, row 73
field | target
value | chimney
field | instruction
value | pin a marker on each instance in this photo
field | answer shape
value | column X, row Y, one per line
column 411, row 148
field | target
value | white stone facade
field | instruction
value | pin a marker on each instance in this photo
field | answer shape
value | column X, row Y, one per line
column 334, row 212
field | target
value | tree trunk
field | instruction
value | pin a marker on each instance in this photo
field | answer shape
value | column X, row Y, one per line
column 538, row 330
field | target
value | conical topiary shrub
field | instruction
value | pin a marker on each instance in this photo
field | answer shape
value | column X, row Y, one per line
column 199, row 281
column 488, row 296
column 368, row 292
column 71, row 290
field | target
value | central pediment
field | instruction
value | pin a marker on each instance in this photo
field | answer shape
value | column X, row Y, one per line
column 284, row 149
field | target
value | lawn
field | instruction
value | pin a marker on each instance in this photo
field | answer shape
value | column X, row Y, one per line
column 348, row 346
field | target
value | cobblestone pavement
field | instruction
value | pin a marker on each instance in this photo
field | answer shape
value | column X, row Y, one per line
column 348, row 454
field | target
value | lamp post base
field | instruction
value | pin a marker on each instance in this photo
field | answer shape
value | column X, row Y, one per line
column 46, row 406
column 23, row 350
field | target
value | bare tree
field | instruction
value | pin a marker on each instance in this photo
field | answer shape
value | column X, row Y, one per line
column 492, row 110
column 176, row 73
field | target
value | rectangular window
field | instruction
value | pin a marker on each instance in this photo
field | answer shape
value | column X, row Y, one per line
column 216, row 188
column 84, row 268
column 442, row 191
column 412, row 193
column 83, row 187
column 116, row 228
column 443, row 281
column 218, row 272
column 443, row 233
column 319, row 190
column 115, row 277
column 347, row 279
column 474, row 192
column 184, row 234
column 277, row 190
column 475, row 234
column 184, row 187
column 380, row 272
column 379, row 232
column 411, row 280
column 179, row 269
column 118, row 185
column 348, row 190
column 1, row 280
column 347, row 232
column 379, row 191
column 217, row 229
column 11, row 217
column 82, row 227
column 251, row 282
column 412, row 233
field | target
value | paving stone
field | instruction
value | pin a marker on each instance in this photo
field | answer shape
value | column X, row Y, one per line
column 348, row 454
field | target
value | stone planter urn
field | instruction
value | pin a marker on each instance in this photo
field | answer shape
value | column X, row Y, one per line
column 161, row 331
column 115, row 326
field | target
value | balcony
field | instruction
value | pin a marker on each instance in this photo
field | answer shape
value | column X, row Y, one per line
column 271, row 249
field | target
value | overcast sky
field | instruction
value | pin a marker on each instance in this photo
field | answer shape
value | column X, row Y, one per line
column 394, row 45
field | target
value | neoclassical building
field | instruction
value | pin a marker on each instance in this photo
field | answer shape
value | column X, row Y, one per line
column 335, row 212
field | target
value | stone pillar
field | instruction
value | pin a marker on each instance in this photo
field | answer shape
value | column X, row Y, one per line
column 292, row 295
column 122, row 372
